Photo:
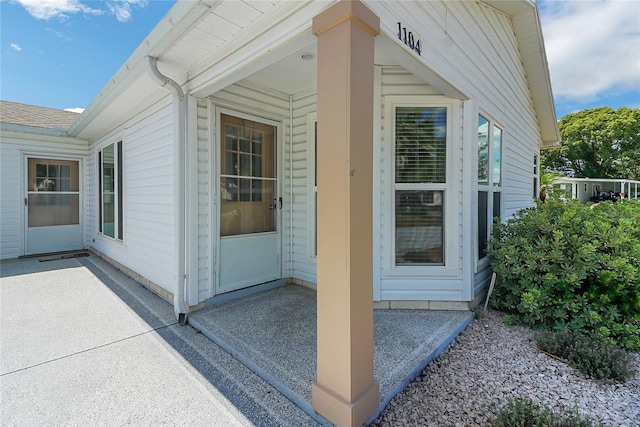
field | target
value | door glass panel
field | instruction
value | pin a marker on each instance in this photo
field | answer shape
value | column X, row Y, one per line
column 253, row 210
column 49, row 209
column 248, row 205
column 53, row 196
column 52, row 175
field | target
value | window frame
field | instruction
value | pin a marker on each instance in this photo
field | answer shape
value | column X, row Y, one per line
column 450, row 264
column 118, row 193
column 536, row 176
column 491, row 188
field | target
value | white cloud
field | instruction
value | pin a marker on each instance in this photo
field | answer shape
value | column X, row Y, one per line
column 75, row 110
column 122, row 8
column 47, row 9
column 593, row 47
column 58, row 34
column 16, row 47
column 61, row 9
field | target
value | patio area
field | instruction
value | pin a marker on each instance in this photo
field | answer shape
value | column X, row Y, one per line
column 273, row 333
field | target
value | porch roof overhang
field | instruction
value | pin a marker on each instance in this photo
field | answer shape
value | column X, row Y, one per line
column 197, row 46
column 594, row 180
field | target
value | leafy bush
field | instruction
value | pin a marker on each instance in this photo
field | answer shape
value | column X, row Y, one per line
column 526, row 413
column 591, row 356
column 565, row 264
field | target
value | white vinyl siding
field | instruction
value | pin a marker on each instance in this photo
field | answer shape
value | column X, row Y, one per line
column 148, row 168
column 13, row 147
column 304, row 260
column 205, row 211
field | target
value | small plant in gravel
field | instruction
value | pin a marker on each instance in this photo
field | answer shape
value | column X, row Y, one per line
column 592, row 356
column 563, row 264
column 526, row 413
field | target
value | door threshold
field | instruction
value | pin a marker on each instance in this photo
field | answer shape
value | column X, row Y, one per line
column 54, row 256
column 229, row 296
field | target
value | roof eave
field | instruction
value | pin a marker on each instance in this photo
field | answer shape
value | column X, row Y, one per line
column 180, row 17
column 526, row 22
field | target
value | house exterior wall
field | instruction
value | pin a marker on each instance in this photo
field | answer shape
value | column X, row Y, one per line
column 470, row 45
column 148, row 195
column 473, row 46
column 13, row 147
column 398, row 86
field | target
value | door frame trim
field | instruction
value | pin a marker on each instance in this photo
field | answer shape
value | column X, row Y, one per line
column 217, row 109
column 24, row 179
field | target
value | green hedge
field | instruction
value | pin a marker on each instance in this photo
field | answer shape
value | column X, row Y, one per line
column 565, row 264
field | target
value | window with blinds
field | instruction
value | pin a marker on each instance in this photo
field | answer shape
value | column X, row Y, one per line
column 420, row 185
column 421, row 145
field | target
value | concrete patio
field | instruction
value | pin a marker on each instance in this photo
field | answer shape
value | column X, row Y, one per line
column 86, row 308
column 273, row 333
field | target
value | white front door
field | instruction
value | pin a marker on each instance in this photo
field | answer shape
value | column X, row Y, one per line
column 249, row 204
column 52, row 206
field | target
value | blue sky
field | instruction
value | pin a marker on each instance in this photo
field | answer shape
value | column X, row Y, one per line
column 60, row 53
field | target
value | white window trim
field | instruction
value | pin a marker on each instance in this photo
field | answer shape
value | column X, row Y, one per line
column 451, row 238
column 536, row 176
column 118, row 197
column 482, row 263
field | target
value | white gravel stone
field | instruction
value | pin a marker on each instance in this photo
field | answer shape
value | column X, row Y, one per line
column 492, row 362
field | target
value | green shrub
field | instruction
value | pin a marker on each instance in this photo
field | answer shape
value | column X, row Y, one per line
column 591, row 356
column 565, row 264
column 526, row 413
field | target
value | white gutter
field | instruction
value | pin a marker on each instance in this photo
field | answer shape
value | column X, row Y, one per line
column 179, row 148
column 33, row 130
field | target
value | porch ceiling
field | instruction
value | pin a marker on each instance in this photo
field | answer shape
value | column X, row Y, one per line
column 293, row 74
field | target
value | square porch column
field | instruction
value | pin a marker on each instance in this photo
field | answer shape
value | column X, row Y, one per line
column 345, row 391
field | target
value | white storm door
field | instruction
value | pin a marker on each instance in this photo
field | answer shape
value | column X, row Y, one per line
column 52, row 206
column 249, row 204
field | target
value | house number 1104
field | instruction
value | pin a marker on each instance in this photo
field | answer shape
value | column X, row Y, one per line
column 409, row 39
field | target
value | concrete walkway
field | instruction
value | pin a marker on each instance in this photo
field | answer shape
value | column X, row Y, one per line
column 82, row 344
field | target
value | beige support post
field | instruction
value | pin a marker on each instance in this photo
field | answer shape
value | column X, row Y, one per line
column 345, row 391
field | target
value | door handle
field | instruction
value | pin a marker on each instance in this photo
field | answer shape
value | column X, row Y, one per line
column 280, row 199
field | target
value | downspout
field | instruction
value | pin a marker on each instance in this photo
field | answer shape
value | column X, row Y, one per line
column 179, row 151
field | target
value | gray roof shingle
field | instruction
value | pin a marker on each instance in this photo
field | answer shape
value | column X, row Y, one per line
column 30, row 115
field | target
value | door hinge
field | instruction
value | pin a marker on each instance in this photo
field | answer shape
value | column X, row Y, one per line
column 26, row 203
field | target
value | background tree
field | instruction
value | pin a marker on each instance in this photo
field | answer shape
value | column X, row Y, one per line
column 597, row 143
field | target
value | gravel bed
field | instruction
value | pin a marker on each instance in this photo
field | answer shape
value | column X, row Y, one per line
column 490, row 363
